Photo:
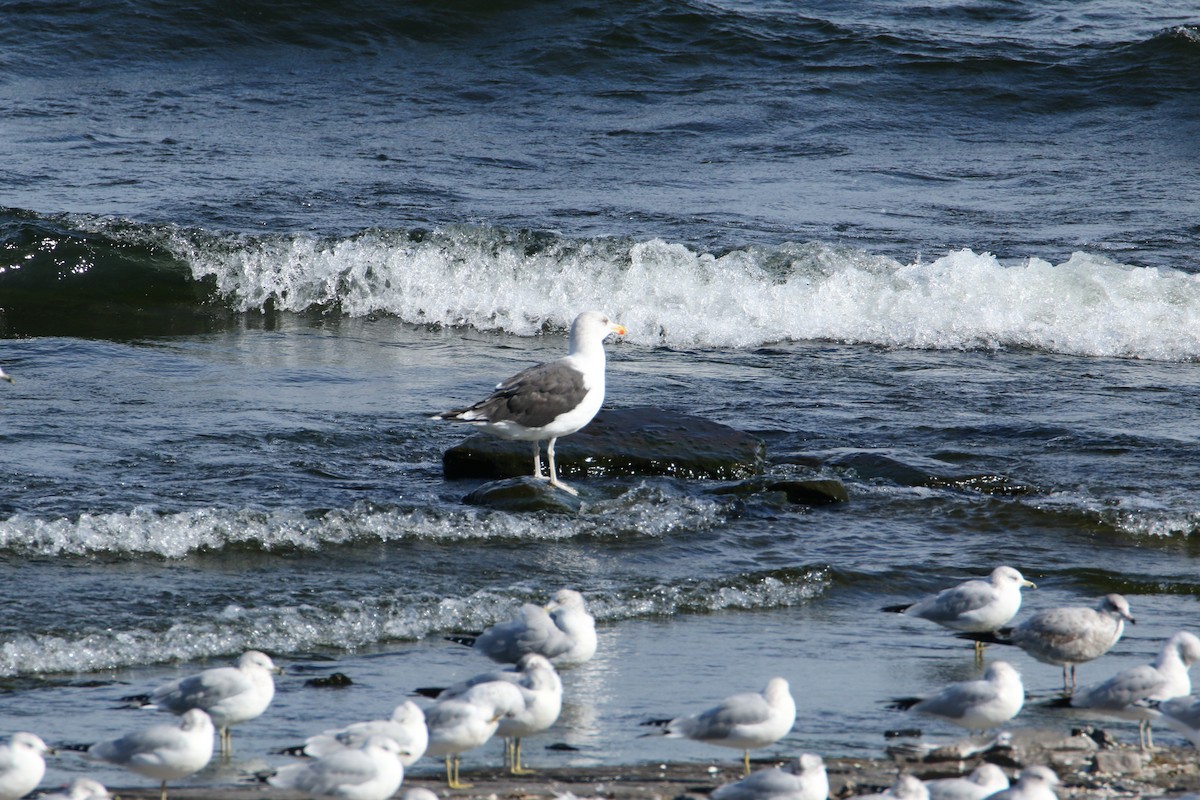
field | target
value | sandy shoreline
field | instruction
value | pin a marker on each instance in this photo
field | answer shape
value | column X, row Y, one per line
column 1088, row 763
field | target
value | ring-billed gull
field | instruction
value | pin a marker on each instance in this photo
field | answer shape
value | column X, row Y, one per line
column 1166, row 677
column 372, row 771
column 462, row 723
column 1067, row 636
column 541, row 688
column 974, row 605
column 562, row 631
column 80, row 789
column 906, row 787
column 744, row 721
column 1182, row 714
column 802, row 779
column 22, row 764
column 229, row 695
column 548, row 400
column 984, row 780
column 406, row 727
column 1034, row 783
column 164, row 752
column 977, row 705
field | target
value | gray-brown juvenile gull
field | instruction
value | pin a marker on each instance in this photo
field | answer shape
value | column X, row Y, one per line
column 549, row 400
column 1068, row 635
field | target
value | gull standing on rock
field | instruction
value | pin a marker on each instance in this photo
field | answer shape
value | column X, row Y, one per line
column 745, row 721
column 229, row 695
column 1121, row 695
column 164, row 752
column 974, row 605
column 548, row 400
column 1067, row 636
column 372, row 771
column 22, row 764
column 802, row 779
column 978, row 705
column 563, row 631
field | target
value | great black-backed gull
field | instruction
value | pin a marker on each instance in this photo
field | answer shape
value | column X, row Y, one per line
column 548, row 400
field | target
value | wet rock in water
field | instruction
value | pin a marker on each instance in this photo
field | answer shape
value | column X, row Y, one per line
column 521, row 495
column 810, row 492
column 622, row 441
column 337, row 680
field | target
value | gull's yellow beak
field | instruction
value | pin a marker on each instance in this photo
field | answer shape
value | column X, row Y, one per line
column 1029, row 584
column 619, row 330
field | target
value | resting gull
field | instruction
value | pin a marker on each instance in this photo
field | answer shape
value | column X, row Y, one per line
column 562, row 631
column 21, row 764
column 984, row 780
column 1068, row 635
column 548, row 400
column 975, row 605
column 745, row 721
column 1034, row 783
column 406, row 727
column 371, row 771
column 803, row 779
column 80, row 789
column 977, row 705
column 164, row 752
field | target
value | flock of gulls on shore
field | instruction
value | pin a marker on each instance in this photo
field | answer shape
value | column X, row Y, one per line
column 366, row 760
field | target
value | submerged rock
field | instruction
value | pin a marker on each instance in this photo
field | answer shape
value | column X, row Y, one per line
column 623, row 441
column 808, row 492
column 521, row 495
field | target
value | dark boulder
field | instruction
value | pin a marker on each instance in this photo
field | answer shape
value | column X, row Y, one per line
column 522, row 495
column 618, row 442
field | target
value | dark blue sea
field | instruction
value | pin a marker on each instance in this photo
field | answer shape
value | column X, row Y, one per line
column 947, row 253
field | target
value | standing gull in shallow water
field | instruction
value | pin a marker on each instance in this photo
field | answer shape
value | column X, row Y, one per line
column 1067, row 636
column 548, row 400
column 229, row 695
column 974, row 605
column 975, row 705
column 745, row 721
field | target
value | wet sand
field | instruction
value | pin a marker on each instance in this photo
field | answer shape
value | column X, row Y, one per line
column 1089, row 763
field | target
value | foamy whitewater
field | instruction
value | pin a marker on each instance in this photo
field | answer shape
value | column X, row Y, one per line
column 946, row 257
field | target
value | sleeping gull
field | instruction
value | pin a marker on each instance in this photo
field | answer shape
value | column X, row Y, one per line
column 562, row 631
column 984, row 780
column 21, row 764
column 1068, row 635
column 80, row 789
column 541, row 689
column 372, row 771
column 548, row 400
column 462, row 723
column 1034, row 783
column 164, row 752
column 406, row 727
column 906, row 787
column 802, row 779
column 977, row 705
column 744, row 721
column 229, row 695
column 1163, row 679
column 974, row 605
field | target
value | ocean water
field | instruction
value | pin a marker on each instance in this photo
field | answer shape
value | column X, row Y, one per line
column 944, row 252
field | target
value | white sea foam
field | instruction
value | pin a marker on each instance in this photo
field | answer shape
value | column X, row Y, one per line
column 642, row 511
column 667, row 293
column 360, row 623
